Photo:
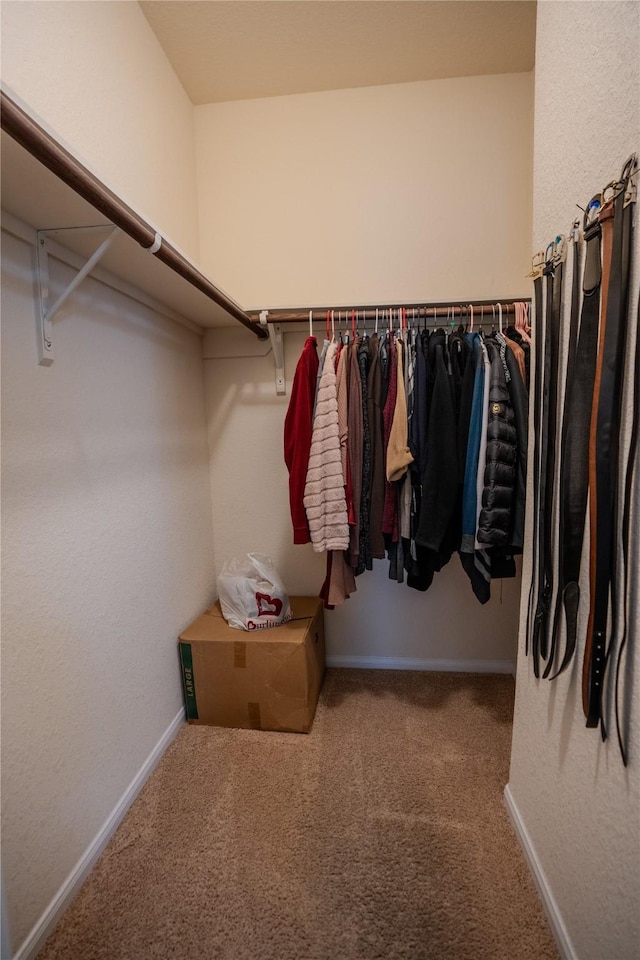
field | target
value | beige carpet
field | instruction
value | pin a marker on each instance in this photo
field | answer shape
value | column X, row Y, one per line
column 381, row 835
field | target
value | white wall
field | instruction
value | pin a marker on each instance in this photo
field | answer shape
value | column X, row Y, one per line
column 106, row 519
column 96, row 74
column 376, row 194
column 578, row 803
column 106, row 555
column 419, row 190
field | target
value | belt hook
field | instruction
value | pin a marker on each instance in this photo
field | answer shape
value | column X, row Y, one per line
column 592, row 210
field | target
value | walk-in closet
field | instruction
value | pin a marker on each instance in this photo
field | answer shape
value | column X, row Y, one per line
column 320, row 482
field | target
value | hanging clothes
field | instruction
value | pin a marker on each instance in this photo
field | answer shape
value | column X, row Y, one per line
column 479, row 583
column 494, row 520
column 364, row 542
column 354, row 447
column 519, row 398
column 297, row 435
column 324, row 498
column 427, row 457
column 376, row 436
column 323, row 354
column 390, row 510
column 439, row 483
column 398, row 453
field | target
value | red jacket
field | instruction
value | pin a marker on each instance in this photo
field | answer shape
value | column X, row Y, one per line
column 297, row 435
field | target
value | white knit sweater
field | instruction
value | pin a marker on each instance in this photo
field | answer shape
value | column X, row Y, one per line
column 324, row 498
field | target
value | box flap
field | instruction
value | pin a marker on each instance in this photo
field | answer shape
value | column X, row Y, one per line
column 301, row 607
column 212, row 626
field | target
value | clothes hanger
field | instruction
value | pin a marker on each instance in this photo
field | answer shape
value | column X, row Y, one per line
column 521, row 324
column 527, row 322
column 500, row 317
column 346, row 329
column 333, row 322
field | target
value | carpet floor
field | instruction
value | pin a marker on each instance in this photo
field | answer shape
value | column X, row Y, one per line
column 382, row 835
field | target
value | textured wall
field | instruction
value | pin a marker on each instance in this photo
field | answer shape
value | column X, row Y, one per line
column 106, row 556
column 97, row 75
column 416, row 190
column 369, row 196
column 577, row 801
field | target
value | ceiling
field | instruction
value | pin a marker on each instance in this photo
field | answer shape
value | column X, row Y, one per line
column 245, row 49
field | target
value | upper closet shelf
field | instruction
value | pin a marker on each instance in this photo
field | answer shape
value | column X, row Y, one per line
column 44, row 185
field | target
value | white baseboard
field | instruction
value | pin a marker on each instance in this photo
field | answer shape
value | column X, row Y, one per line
column 558, row 928
column 408, row 663
column 71, row 886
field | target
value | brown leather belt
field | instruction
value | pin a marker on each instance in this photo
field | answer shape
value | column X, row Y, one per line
column 605, row 455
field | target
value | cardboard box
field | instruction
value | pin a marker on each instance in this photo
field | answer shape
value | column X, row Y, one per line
column 269, row 680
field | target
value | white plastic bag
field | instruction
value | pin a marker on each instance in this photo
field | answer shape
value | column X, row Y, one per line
column 252, row 595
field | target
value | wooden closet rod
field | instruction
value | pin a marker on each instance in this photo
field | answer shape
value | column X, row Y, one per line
column 482, row 309
column 41, row 145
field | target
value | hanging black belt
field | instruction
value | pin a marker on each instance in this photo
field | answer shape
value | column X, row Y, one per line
column 576, row 425
column 621, row 727
column 604, row 554
column 566, row 548
column 548, row 431
column 538, row 288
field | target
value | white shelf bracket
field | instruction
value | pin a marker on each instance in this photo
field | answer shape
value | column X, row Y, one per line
column 47, row 312
column 275, row 336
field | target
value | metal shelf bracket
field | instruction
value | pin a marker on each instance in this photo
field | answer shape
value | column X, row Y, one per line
column 47, row 311
column 275, row 336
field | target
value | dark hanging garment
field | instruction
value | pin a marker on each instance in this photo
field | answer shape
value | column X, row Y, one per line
column 439, row 483
column 384, row 354
column 495, row 521
column 418, row 433
column 354, row 446
column 459, row 352
column 516, row 337
column 390, row 510
column 469, row 499
column 466, row 401
column 297, row 436
column 459, row 356
column 520, row 404
column 364, row 548
column 376, row 431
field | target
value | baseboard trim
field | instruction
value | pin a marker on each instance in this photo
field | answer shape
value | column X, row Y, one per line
column 409, row 663
column 558, row 928
column 71, row 886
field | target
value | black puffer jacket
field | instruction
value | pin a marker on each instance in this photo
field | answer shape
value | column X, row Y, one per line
column 495, row 522
column 520, row 403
